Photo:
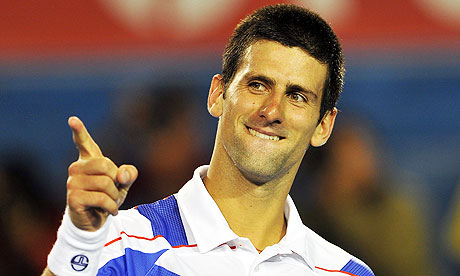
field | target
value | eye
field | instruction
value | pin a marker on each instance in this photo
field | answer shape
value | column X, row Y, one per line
column 297, row 97
column 257, row 86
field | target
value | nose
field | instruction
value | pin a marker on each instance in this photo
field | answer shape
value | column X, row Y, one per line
column 272, row 109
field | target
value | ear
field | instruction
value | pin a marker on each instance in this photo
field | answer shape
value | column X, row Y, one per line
column 324, row 129
column 215, row 97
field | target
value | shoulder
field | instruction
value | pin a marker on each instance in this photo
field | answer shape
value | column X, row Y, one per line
column 165, row 219
column 157, row 214
column 161, row 218
column 329, row 258
column 130, row 221
column 127, row 228
column 140, row 236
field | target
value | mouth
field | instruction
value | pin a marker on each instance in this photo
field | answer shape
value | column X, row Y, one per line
column 258, row 134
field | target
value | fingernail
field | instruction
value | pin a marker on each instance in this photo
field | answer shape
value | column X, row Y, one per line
column 125, row 176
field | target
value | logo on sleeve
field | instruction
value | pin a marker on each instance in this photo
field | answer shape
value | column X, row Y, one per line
column 79, row 262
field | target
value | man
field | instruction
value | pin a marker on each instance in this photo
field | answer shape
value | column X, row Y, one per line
column 282, row 75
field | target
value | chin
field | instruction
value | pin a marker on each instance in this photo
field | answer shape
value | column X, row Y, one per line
column 255, row 165
column 259, row 176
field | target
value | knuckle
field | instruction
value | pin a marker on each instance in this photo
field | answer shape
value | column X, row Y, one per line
column 104, row 164
column 69, row 183
column 74, row 182
column 74, row 167
column 72, row 197
column 109, row 163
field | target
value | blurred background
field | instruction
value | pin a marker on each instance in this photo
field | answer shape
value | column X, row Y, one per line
column 137, row 73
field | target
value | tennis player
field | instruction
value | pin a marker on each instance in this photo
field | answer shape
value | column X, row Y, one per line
column 281, row 78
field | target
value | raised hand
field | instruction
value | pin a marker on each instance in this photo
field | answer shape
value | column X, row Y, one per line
column 96, row 187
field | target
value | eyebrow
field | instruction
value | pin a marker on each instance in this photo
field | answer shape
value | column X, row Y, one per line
column 295, row 87
column 261, row 78
column 289, row 86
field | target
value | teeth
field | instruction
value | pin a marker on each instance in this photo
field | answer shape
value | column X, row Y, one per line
column 263, row 136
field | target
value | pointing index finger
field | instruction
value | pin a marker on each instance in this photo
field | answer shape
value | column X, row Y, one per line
column 82, row 139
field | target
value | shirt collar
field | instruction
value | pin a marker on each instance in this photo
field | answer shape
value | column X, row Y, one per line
column 209, row 228
column 298, row 236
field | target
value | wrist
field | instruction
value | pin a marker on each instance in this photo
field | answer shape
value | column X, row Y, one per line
column 76, row 252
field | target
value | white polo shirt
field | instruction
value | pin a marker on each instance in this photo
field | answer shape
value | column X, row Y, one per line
column 186, row 234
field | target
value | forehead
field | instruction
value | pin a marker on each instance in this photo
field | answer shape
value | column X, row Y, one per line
column 285, row 64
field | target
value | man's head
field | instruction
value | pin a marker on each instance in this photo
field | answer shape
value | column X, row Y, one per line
column 269, row 100
column 291, row 26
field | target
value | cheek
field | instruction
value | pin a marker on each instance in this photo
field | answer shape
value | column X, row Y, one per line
column 243, row 105
column 304, row 123
column 233, row 109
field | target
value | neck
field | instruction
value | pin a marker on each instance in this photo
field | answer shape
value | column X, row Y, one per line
column 252, row 211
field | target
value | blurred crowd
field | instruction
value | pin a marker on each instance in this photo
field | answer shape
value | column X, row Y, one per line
column 356, row 201
column 345, row 190
column 153, row 128
column 28, row 222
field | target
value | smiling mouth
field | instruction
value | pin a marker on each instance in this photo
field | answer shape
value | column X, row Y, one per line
column 264, row 136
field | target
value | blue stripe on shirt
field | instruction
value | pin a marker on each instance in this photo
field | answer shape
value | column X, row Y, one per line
column 357, row 269
column 165, row 219
column 135, row 262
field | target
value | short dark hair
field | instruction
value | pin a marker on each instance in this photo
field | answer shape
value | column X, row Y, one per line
column 292, row 26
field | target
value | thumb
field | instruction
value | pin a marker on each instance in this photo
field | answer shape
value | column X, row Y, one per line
column 126, row 176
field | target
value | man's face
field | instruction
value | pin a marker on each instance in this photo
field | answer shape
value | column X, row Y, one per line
column 271, row 109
